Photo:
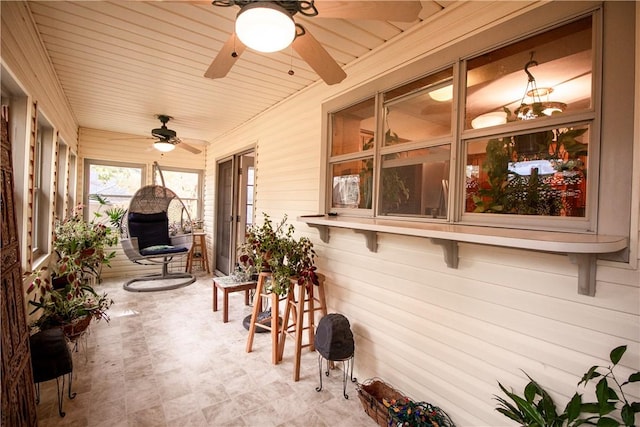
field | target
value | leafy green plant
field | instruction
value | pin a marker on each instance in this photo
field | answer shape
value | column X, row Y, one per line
column 536, row 408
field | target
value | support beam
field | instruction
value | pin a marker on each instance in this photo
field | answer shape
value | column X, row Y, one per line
column 323, row 231
column 450, row 250
column 372, row 239
column 586, row 273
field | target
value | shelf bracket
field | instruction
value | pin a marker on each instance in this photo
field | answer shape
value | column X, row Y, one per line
column 450, row 250
column 586, row 273
column 372, row 239
column 323, row 231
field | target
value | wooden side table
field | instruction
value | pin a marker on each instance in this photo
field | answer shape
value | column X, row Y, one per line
column 199, row 247
column 228, row 284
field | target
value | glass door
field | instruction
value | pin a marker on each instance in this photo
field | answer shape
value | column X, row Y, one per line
column 234, row 212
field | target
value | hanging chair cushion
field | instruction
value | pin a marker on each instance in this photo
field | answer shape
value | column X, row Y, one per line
column 162, row 249
column 150, row 229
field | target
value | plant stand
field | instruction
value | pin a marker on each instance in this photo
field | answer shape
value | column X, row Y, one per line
column 347, row 372
column 274, row 300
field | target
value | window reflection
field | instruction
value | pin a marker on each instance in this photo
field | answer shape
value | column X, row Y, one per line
column 419, row 110
column 353, row 128
column 540, row 173
column 416, row 182
column 352, row 184
column 544, row 75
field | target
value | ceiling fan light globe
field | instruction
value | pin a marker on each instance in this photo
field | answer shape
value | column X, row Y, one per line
column 265, row 27
column 163, row 146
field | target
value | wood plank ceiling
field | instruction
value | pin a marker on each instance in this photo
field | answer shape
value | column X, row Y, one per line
column 122, row 62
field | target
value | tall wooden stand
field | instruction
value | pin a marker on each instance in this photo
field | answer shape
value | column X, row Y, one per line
column 274, row 302
column 301, row 300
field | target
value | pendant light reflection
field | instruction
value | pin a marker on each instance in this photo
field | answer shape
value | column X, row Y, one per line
column 443, row 94
column 492, row 118
column 265, row 27
column 536, row 107
column 163, row 146
column 527, row 110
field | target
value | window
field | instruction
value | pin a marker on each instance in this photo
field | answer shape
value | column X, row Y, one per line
column 416, row 148
column 352, row 151
column 42, row 188
column 187, row 184
column 62, row 179
column 38, row 245
column 115, row 182
column 521, row 168
column 509, row 137
column 251, row 174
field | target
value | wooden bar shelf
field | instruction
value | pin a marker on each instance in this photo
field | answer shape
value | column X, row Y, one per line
column 581, row 248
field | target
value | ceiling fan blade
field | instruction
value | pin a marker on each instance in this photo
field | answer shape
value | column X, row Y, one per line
column 403, row 11
column 188, row 147
column 141, row 139
column 222, row 63
column 318, row 58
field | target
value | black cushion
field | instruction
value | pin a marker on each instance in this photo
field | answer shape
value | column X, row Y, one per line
column 150, row 229
column 50, row 355
column 162, row 249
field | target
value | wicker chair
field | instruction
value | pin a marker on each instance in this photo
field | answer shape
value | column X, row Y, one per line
column 146, row 238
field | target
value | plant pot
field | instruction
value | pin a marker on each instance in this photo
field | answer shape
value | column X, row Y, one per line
column 74, row 329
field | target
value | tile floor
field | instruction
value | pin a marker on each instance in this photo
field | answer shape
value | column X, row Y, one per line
column 166, row 359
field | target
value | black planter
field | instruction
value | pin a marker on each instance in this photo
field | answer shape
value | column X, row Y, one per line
column 59, row 282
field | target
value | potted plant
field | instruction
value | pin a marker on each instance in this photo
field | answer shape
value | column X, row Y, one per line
column 61, row 291
column 71, row 306
column 82, row 246
column 273, row 247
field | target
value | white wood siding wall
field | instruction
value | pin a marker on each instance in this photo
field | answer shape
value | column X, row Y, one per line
column 103, row 145
column 25, row 59
column 442, row 335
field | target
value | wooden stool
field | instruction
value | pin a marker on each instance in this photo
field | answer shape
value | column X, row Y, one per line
column 312, row 297
column 199, row 243
column 274, row 300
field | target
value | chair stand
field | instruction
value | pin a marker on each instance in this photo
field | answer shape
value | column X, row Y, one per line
column 165, row 275
column 347, row 372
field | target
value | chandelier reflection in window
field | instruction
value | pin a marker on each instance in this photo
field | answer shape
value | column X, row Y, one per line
column 536, row 107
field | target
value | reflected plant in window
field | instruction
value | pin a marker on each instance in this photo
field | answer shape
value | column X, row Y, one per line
column 541, row 173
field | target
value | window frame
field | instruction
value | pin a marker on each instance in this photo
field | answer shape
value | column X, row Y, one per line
column 456, row 56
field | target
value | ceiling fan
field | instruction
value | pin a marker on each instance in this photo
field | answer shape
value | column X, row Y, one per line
column 167, row 139
column 261, row 20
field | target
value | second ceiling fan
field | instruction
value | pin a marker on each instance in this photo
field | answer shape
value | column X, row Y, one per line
column 259, row 20
column 166, row 139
